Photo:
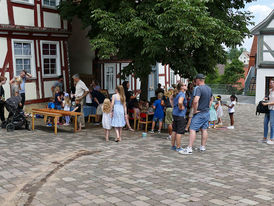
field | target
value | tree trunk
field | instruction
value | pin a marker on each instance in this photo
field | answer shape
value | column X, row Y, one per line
column 144, row 88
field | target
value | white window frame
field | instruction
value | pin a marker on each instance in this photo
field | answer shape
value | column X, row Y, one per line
column 111, row 91
column 28, row 2
column 172, row 77
column 32, row 61
column 58, row 58
column 51, row 7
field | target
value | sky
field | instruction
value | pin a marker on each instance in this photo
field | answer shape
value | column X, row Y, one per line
column 260, row 10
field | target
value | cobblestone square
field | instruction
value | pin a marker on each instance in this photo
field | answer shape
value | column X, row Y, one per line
column 42, row 169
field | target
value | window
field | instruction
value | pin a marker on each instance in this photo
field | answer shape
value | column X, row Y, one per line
column 23, row 57
column 50, row 3
column 172, row 78
column 50, row 58
column 110, row 77
column 28, row 2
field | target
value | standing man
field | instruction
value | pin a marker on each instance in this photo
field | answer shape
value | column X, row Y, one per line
column 201, row 103
column 81, row 91
column 24, row 76
column 59, row 84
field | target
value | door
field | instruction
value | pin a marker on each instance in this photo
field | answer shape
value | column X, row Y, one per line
column 110, row 78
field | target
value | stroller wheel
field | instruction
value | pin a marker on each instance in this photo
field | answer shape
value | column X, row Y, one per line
column 10, row 127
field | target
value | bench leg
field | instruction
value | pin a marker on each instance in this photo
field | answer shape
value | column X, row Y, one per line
column 32, row 123
column 146, row 127
column 55, row 125
column 88, row 118
column 75, row 123
column 45, row 118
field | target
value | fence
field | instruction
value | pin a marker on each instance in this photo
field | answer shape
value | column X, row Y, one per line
column 226, row 89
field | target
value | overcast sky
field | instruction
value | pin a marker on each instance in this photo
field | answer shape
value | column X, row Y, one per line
column 260, row 10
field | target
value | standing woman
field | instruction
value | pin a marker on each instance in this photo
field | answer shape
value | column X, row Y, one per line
column 270, row 105
column 130, row 100
column 119, row 113
column 179, row 113
column 2, row 96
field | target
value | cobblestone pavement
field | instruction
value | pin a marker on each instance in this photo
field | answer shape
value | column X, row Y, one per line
column 42, row 169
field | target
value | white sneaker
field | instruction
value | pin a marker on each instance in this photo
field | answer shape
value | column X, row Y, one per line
column 186, row 151
column 151, row 132
column 270, row 142
column 264, row 140
column 230, row 127
column 159, row 132
column 202, row 148
column 169, row 137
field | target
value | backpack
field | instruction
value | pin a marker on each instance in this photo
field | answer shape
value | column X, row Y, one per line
column 261, row 108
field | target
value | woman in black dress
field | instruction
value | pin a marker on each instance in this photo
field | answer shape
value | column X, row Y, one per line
column 2, row 96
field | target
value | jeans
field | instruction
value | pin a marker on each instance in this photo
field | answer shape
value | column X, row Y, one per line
column 266, row 123
column 271, row 115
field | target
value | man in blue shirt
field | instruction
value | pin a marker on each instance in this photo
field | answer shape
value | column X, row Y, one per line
column 201, row 103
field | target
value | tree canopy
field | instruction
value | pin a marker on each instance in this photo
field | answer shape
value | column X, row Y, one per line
column 234, row 53
column 189, row 35
column 233, row 72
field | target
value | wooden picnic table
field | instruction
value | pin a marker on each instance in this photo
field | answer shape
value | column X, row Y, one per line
column 46, row 112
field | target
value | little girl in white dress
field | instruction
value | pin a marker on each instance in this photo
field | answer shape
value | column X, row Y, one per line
column 106, row 120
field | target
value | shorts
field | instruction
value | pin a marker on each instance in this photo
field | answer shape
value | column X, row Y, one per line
column 169, row 117
column 99, row 110
column 179, row 124
column 156, row 119
column 200, row 121
column 190, row 115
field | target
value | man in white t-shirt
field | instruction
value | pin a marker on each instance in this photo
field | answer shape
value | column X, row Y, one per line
column 81, row 91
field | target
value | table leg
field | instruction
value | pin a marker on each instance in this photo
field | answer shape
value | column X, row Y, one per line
column 32, row 126
column 75, row 123
column 55, row 125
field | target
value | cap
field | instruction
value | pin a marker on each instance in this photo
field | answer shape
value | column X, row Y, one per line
column 200, row 76
column 66, row 94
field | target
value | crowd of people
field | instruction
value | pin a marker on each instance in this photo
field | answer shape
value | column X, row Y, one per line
column 183, row 108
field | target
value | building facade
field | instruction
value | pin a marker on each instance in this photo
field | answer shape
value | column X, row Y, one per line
column 33, row 37
column 265, row 55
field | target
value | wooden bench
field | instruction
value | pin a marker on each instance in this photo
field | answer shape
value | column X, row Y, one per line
column 55, row 114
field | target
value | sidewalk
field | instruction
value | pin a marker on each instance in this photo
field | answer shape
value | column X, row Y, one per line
column 42, row 169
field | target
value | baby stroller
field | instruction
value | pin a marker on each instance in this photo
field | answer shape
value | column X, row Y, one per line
column 16, row 119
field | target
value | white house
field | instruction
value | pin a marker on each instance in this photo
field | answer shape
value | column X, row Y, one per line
column 265, row 55
column 244, row 57
column 33, row 37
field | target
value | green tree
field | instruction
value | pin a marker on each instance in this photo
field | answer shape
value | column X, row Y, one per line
column 187, row 34
column 234, row 53
column 233, row 72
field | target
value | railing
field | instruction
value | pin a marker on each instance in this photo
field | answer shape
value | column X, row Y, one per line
column 227, row 89
column 251, row 74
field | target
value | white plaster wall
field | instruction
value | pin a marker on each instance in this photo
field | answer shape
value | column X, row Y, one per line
column 23, row 16
column 260, row 82
column 117, row 71
column 3, row 50
column 47, row 88
column 4, row 19
column 52, row 20
column 65, row 22
column 38, row 16
column 81, row 55
column 31, row 91
column 162, row 80
column 138, row 84
column 161, row 68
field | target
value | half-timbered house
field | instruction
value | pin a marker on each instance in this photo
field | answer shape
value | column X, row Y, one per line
column 33, row 37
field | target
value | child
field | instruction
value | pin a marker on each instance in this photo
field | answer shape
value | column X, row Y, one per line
column 231, row 110
column 158, row 106
column 66, row 105
column 213, row 114
column 106, row 120
column 78, row 109
column 219, row 109
column 57, row 98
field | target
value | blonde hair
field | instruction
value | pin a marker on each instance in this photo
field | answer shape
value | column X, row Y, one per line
column 106, row 106
column 57, row 89
column 121, row 92
column 18, row 80
column 67, row 100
